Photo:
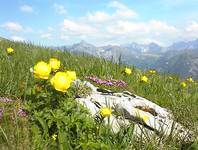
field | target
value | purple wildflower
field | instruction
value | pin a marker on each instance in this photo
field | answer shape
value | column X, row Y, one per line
column 5, row 100
column 111, row 82
column 21, row 113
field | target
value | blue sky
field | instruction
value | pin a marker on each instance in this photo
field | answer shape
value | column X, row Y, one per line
column 100, row 22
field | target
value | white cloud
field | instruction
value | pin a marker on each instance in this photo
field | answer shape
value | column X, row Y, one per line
column 121, row 12
column 26, row 8
column 192, row 30
column 153, row 27
column 17, row 38
column 98, row 16
column 77, row 28
column 193, row 26
column 126, row 27
column 12, row 26
column 47, row 36
column 119, row 31
column 63, row 36
column 60, row 9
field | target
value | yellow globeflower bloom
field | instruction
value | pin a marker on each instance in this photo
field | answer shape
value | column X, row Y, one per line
column 54, row 63
column 128, row 71
column 142, row 116
column 105, row 112
column 145, row 118
column 190, row 79
column 71, row 75
column 42, row 70
column 144, row 79
column 61, row 81
column 10, row 50
column 54, row 136
column 183, row 84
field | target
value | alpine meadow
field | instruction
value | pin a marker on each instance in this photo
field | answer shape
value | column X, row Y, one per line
column 99, row 75
column 38, row 109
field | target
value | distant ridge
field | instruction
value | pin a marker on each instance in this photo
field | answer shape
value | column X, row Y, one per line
column 179, row 58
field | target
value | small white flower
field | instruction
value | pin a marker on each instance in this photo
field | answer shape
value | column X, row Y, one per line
column 31, row 70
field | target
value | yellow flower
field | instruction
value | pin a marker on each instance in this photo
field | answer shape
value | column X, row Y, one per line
column 190, row 79
column 183, row 84
column 71, row 75
column 144, row 79
column 145, row 118
column 142, row 116
column 105, row 112
column 61, row 81
column 54, row 63
column 152, row 71
column 10, row 50
column 128, row 71
column 42, row 70
column 54, row 136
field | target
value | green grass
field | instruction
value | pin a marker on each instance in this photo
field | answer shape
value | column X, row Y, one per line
column 15, row 78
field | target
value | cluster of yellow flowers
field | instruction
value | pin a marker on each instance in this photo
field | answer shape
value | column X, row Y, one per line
column 188, row 80
column 61, row 81
column 144, row 78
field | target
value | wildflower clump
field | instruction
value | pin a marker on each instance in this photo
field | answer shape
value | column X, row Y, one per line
column 42, row 70
column 105, row 112
column 110, row 82
column 127, row 71
column 144, row 79
column 54, row 64
column 61, row 81
column 9, row 50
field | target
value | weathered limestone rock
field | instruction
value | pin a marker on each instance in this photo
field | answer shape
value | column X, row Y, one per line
column 156, row 121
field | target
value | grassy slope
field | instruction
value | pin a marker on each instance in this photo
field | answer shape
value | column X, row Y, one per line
column 14, row 75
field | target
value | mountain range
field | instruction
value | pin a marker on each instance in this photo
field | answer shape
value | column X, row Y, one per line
column 179, row 58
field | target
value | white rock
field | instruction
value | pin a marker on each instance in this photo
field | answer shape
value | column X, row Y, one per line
column 144, row 113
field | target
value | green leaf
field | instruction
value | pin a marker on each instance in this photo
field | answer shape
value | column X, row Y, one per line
column 43, row 124
column 63, row 140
